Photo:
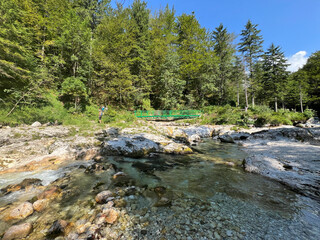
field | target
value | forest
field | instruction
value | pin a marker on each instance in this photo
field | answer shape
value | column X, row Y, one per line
column 77, row 55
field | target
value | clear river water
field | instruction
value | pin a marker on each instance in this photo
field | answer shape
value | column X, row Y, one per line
column 211, row 197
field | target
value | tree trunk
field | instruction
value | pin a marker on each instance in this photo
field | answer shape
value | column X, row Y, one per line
column 246, row 94
column 253, row 100
column 301, row 97
column 238, row 95
column 276, row 104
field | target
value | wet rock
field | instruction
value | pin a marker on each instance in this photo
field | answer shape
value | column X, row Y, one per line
column 111, row 216
column 217, row 236
column 22, row 211
column 177, row 148
column 40, row 205
column 120, row 179
column 133, row 146
column 96, row 167
column 58, row 227
column 86, row 154
column 18, row 231
column 82, row 227
column 120, row 203
column 51, row 193
column 163, row 201
column 103, row 196
column 226, row 138
column 22, row 185
column 36, row 124
column 160, row 191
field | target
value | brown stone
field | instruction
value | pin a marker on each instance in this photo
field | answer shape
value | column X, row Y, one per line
column 103, row 196
column 51, row 193
column 22, row 211
column 111, row 216
column 59, row 226
column 18, row 231
column 41, row 204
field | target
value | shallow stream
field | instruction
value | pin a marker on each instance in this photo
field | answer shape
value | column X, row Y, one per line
column 209, row 196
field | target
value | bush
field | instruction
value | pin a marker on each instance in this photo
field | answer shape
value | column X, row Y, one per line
column 309, row 113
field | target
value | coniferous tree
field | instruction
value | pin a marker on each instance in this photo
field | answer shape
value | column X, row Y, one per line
column 113, row 82
column 194, row 51
column 312, row 69
column 275, row 74
column 163, row 39
column 251, row 47
column 171, row 86
column 224, row 50
column 139, row 57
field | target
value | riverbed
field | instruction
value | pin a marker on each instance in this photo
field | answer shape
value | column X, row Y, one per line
column 205, row 195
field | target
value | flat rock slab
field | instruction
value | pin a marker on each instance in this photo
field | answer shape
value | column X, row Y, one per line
column 293, row 163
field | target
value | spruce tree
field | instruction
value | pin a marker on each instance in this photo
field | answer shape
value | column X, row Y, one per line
column 139, row 57
column 251, row 47
column 224, row 49
column 275, row 74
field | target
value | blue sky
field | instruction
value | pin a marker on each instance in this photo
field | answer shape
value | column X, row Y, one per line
column 292, row 24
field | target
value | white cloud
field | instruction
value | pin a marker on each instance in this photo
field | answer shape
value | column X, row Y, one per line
column 297, row 61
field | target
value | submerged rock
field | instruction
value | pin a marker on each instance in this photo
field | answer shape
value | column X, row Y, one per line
column 111, row 216
column 22, row 185
column 40, row 205
column 103, row 196
column 22, row 211
column 18, row 231
column 51, row 193
column 58, row 227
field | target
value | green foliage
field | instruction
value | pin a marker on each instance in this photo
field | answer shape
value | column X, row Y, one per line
column 91, row 53
column 309, row 113
column 74, row 88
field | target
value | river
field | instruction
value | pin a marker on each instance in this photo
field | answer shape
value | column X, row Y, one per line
column 208, row 194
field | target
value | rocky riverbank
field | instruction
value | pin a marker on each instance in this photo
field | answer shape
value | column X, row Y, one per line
column 290, row 155
column 89, row 197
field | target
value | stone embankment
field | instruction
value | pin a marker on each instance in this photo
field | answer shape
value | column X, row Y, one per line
column 290, row 155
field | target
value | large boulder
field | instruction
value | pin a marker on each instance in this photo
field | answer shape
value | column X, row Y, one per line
column 18, row 231
column 131, row 146
column 22, row 211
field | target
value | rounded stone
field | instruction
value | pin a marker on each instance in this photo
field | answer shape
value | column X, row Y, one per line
column 18, row 231
column 22, row 211
column 112, row 216
column 41, row 204
column 103, row 196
